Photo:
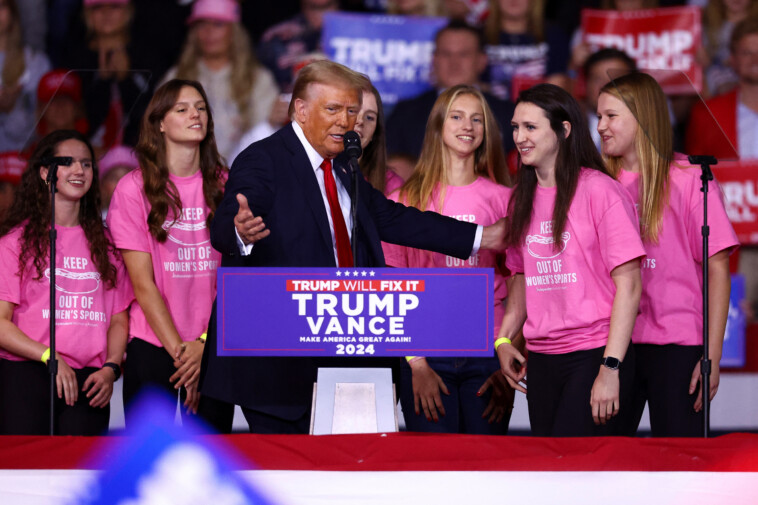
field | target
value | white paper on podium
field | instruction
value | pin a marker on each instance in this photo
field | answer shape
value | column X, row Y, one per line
column 353, row 400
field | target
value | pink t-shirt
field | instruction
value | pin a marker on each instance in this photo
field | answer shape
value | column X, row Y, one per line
column 482, row 202
column 569, row 290
column 184, row 266
column 671, row 306
column 393, row 182
column 83, row 305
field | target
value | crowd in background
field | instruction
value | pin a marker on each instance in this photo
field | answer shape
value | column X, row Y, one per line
column 92, row 67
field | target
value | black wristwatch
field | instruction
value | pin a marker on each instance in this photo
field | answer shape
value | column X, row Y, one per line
column 116, row 369
column 611, row 362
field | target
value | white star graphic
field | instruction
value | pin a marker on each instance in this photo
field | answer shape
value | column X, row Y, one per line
column 371, row 273
column 355, row 273
column 363, row 274
column 347, row 274
column 339, row 274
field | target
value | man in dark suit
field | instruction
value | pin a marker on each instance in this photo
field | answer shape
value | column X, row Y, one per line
column 281, row 209
column 459, row 58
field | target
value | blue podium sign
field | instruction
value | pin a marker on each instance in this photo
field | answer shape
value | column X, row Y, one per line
column 355, row 312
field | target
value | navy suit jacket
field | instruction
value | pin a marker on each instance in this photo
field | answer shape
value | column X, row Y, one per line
column 280, row 185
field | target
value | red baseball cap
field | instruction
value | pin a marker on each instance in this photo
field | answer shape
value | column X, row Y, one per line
column 59, row 82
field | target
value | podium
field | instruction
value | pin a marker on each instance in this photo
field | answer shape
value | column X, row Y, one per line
column 356, row 312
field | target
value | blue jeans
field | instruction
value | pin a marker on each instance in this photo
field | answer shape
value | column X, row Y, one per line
column 463, row 408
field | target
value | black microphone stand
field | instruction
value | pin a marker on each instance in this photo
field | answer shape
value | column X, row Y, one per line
column 52, row 363
column 352, row 143
column 706, row 176
column 354, row 169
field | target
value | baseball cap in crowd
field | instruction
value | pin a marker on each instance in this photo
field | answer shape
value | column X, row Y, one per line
column 91, row 3
column 119, row 156
column 12, row 165
column 59, row 82
column 217, row 10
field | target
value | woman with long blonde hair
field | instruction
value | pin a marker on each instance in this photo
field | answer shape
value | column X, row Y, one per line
column 461, row 173
column 218, row 54
column 637, row 144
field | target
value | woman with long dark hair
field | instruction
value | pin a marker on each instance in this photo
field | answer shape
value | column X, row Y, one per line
column 574, row 250
column 461, row 173
column 92, row 296
column 637, row 143
column 159, row 216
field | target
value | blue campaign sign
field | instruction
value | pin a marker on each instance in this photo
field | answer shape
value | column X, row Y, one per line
column 395, row 52
column 733, row 353
column 355, row 312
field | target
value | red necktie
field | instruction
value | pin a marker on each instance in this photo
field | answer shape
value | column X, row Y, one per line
column 344, row 253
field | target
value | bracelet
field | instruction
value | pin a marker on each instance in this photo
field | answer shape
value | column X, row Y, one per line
column 113, row 366
column 203, row 337
column 411, row 359
column 502, row 340
column 45, row 356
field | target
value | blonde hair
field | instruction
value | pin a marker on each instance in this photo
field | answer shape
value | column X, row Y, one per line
column 432, row 167
column 15, row 63
column 653, row 143
column 244, row 69
column 535, row 23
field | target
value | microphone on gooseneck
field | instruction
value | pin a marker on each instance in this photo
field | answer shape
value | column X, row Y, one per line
column 353, row 151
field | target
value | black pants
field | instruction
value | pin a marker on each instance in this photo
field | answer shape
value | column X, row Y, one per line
column 662, row 379
column 559, row 390
column 148, row 365
column 265, row 424
column 25, row 403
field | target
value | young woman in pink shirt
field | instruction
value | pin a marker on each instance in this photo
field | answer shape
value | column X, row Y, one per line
column 574, row 250
column 462, row 174
column 92, row 296
column 637, row 144
column 158, row 216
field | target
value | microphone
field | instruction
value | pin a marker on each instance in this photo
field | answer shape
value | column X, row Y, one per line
column 52, row 163
column 352, row 143
column 58, row 161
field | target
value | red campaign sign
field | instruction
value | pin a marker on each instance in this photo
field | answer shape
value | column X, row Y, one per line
column 739, row 184
column 658, row 39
